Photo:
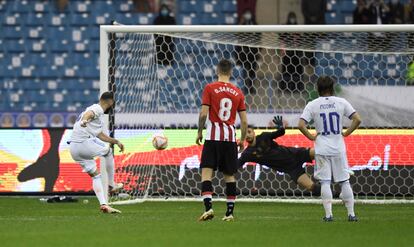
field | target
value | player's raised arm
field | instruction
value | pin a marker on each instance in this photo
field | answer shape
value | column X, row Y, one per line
column 279, row 125
column 105, row 138
column 201, row 123
column 356, row 121
column 243, row 129
column 86, row 118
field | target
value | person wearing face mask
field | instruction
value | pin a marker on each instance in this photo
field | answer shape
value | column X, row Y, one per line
column 247, row 56
column 361, row 13
column 396, row 13
column 164, row 44
column 292, row 68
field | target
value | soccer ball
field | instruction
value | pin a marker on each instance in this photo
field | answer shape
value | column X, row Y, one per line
column 160, row 142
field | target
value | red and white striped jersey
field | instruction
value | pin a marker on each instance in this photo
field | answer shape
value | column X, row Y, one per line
column 225, row 100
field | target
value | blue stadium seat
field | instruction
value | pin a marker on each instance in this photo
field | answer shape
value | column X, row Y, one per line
column 186, row 19
column 41, row 7
column 334, row 18
column 14, row 46
column 126, row 7
column 13, row 32
column 12, row 19
column 35, row 19
column 209, row 7
column 211, row 19
column 57, row 20
column 229, row 6
column 79, row 6
column 84, row 19
column 186, row 7
column 347, row 6
column 145, row 19
column 23, row 6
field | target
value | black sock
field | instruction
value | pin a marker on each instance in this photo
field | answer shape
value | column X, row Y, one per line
column 316, row 189
column 231, row 197
column 206, row 193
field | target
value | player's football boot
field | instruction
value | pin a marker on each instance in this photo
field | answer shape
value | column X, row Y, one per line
column 109, row 210
column 115, row 189
column 228, row 218
column 328, row 219
column 352, row 218
column 208, row 215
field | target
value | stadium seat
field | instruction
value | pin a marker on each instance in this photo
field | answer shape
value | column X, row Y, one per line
column 23, row 6
column 35, row 19
column 334, row 18
column 79, row 6
column 83, row 19
column 347, row 6
column 187, row 19
column 229, row 6
column 187, row 7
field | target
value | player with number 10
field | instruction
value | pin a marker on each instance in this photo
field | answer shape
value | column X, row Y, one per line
column 327, row 112
column 221, row 101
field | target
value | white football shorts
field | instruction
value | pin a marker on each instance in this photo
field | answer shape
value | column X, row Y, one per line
column 85, row 152
column 328, row 167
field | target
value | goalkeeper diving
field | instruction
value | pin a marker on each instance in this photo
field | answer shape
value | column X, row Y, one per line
column 264, row 150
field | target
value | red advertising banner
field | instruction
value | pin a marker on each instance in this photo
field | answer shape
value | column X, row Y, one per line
column 39, row 160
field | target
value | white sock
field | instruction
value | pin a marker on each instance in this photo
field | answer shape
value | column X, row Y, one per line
column 326, row 194
column 98, row 188
column 348, row 197
column 110, row 168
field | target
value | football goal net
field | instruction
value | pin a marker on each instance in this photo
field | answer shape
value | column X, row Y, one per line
column 158, row 73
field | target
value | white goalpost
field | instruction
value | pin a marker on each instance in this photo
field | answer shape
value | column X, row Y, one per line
column 158, row 73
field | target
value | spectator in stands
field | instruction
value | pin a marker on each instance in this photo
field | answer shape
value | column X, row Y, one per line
column 396, row 14
column 247, row 56
column 23, row 121
column 7, row 120
column 361, row 13
column 145, row 6
column 62, row 4
column 164, row 44
column 292, row 67
column 314, row 11
column 243, row 5
column 379, row 12
column 409, row 12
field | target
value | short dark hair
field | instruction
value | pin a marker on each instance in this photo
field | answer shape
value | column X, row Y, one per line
column 325, row 85
column 107, row 96
column 224, row 67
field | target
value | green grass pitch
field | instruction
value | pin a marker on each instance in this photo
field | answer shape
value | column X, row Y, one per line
column 29, row 222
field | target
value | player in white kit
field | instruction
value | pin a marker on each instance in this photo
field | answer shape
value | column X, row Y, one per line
column 327, row 112
column 88, row 141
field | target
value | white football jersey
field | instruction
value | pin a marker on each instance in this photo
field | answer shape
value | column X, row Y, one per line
column 92, row 129
column 327, row 114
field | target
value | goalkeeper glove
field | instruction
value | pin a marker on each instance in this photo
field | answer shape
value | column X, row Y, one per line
column 278, row 121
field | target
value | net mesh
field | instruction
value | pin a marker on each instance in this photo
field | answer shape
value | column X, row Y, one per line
column 159, row 78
